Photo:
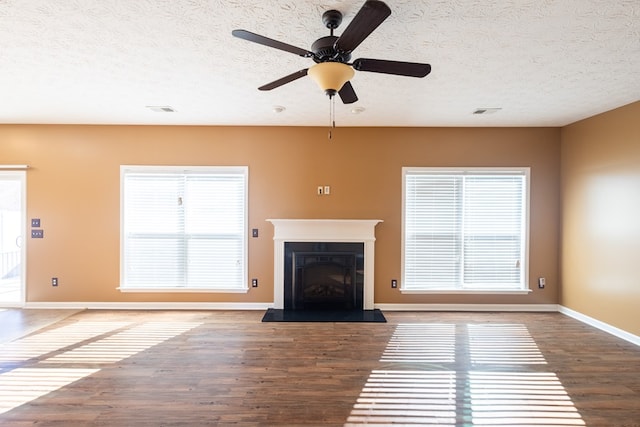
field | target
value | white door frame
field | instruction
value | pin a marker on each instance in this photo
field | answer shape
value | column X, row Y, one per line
column 21, row 177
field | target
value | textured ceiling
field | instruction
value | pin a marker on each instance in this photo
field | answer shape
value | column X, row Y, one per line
column 543, row 62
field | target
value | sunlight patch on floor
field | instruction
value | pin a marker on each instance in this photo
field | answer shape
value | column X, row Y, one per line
column 121, row 345
column 509, row 344
column 23, row 385
column 434, row 391
column 19, row 386
column 421, row 343
column 521, row 398
column 42, row 343
column 406, row 397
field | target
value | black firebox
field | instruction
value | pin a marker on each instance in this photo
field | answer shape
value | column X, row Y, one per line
column 323, row 276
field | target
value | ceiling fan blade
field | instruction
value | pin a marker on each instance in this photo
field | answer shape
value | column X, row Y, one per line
column 256, row 38
column 369, row 17
column 410, row 69
column 347, row 94
column 286, row 79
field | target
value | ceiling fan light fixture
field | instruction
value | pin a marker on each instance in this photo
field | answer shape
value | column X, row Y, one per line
column 331, row 76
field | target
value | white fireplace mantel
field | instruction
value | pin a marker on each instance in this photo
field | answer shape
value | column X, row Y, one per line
column 323, row 230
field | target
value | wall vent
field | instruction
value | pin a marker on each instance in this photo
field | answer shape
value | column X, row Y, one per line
column 161, row 108
column 486, row 110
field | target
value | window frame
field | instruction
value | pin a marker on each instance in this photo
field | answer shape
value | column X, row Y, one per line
column 182, row 170
column 524, row 171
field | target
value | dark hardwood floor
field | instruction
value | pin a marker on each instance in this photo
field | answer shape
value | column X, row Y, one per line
column 198, row 368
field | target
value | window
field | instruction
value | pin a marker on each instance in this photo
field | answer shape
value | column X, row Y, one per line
column 465, row 229
column 183, row 228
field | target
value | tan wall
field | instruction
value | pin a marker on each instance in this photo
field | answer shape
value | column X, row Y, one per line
column 601, row 217
column 73, row 187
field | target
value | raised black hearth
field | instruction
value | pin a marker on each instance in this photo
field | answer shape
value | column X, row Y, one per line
column 323, row 276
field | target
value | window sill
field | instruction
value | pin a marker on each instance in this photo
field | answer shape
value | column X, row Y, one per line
column 183, row 290
column 469, row 291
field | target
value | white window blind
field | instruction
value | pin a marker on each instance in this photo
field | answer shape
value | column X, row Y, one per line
column 464, row 229
column 184, row 228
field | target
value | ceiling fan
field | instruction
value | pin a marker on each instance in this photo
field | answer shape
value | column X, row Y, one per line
column 332, row 54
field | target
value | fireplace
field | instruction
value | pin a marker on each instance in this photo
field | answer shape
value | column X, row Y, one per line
column 323, row 276
column 335, row 257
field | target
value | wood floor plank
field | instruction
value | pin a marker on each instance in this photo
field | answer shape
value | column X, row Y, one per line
column 203, row 368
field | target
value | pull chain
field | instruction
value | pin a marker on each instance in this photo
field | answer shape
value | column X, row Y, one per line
column 332, row 115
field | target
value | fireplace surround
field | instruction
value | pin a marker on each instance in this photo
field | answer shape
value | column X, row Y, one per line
column 325, row 231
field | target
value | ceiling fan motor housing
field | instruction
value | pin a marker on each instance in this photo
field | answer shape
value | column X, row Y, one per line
column 324, row 50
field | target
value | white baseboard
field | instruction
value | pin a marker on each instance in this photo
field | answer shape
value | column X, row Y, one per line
column 627, row 336
column 264, row 306
column 469, row 307
column 150, row 305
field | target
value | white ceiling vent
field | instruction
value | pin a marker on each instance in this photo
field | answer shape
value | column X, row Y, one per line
column 486, row 110
column 161, row 108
